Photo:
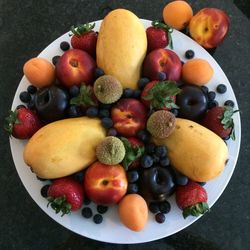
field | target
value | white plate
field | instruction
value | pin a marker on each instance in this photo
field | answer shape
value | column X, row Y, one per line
column 111, row 230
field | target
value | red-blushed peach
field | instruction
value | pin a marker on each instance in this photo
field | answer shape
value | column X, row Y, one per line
column 105, row 184
column 75, row 67
column 209, row 27
column 129, row 116
column 162, row 60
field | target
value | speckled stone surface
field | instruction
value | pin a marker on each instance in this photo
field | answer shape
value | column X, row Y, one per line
column 26, row 28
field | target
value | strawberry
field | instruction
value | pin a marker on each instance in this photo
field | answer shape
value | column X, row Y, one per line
column 22, row 123
column 84, row 38
column 158, row 36
column 160, row 95
column 65, row 195
column 219, row 120
column 134, row 150
column 192, row 199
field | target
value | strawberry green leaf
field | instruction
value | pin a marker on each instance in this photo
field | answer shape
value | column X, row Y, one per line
column 195, row 210
column 132, row 153
column 82, row 28
column 59, row 204
column 10, row 121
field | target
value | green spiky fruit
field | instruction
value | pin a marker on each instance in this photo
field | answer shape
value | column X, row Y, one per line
column 110, row 151
column 107, row 89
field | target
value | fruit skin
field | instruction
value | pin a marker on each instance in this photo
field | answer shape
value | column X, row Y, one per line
column 190, row 141
column 133, row 212
column 177, row 14
column 84, row 38
column 72, row 191
column 105, row 184
column 75, row 67
column 129, row 116
column 213, row 121
column 192, row 199
column 22, row 123
column 64, row 147
column 209, row 27
column 122, row 29
column 197, row 71
column 39, row 71
column 162, row 60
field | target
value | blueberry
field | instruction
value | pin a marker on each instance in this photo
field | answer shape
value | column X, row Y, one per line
column 160, row 217
column 136, row 94
column 31, row 89
column 86, row 201
column 164, row 162
column 103, row 113
column 128, row 93
column 143, row 135
column 175, row 112
column 73, row 111
column 74, row 91
column 161, row 151
column 31, row 105
column 98, row 219
column 79, row 176
column 64, row 45
column 181, row 179
column 162, row 76
column 112, row 132
column 92, row 112
column 229, row 103
column 212, row 104
column 189, row 54
column 107, row 122
column 55, row 59
column 204, row 89
column 132, row 176
column 156, row 159
column 25, row 96
column 154, row 207
column 202, row 183
column 20, row 106
column 143, row 82
column 211, row 95
column 102, row 209
column 226, row 138
column 164, row 207
column 221, row 88
column 44, row 191
column 132, row 188
column 87, row 212
column 98, row 72
column 150, row 148
column 147, row 161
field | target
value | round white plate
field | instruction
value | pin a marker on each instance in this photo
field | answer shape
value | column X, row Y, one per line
column 111, row 230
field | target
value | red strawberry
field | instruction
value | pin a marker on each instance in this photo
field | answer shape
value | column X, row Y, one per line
column 22, row 123
column 84, row 38
column 158, row 36
column 135, row 144
column 160, row 95
column 192, row 199
column 65, row 195
column 220, row 121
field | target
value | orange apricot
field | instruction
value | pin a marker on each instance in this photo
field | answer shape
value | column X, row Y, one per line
column 177, row 14
column 197, row 71
column 39, row 71
column 133, row 212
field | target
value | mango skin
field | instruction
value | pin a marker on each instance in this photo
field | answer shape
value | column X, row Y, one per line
column 63, row 147
column 195, row 151
column 122, row 46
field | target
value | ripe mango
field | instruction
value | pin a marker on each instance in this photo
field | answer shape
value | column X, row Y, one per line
column 121, row 46
column 195, row 151
column 63, row 147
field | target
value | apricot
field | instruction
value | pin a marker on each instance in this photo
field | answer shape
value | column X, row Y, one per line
column 197, row 71
column 39, row 71
column 177, row 14
column 133, row 212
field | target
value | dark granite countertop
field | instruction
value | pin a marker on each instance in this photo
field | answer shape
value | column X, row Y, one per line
column 26, row 28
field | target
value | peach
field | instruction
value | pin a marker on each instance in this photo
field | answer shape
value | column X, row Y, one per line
column 197, row 71
column 209, row 27
column 133, row 212
column 39, row 71
column 177, row 14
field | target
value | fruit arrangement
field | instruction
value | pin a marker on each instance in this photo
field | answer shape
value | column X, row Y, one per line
column 119, row 120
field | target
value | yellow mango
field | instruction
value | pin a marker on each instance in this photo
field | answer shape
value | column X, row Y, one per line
column 121, row 46
column 195, row 151
column 63, row 147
